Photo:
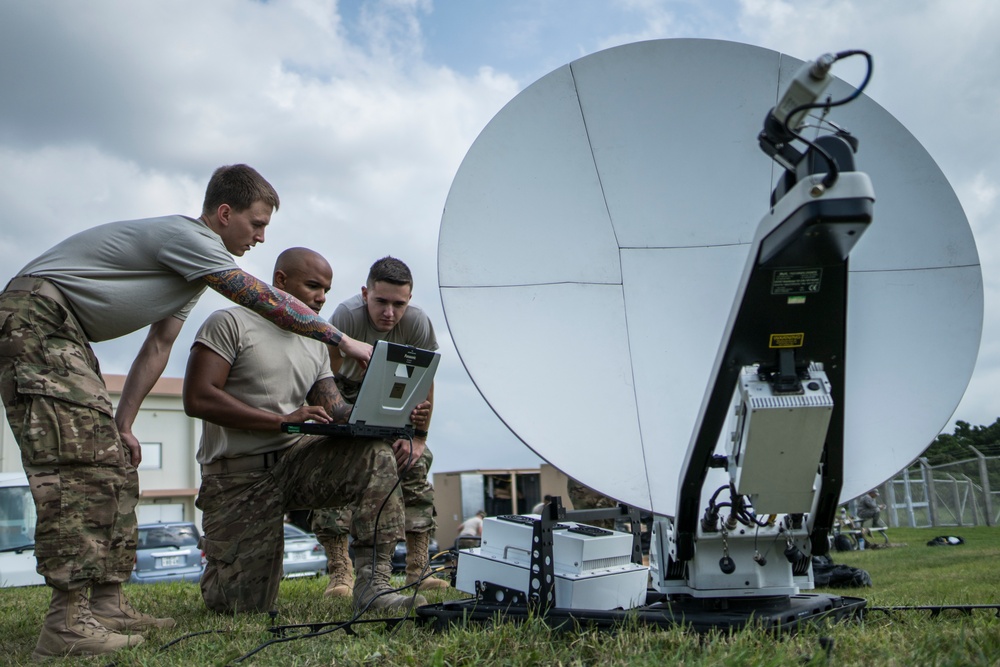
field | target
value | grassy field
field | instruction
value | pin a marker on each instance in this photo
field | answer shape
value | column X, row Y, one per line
column 909, row 573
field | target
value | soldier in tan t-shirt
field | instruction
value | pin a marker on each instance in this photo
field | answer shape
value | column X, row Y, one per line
column 246, row 376
column 383, row 312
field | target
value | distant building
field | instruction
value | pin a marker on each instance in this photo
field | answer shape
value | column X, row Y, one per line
column 169, row 476
column 459, row 495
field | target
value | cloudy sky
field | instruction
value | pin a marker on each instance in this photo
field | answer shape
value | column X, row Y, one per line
column 359, row 113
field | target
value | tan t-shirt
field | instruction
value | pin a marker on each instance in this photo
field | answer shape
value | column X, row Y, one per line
column 272, row 369
column 351, row 317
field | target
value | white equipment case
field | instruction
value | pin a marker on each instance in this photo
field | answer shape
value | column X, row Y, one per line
column 593, row 567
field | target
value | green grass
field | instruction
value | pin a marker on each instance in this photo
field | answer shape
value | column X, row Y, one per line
column 903, row 575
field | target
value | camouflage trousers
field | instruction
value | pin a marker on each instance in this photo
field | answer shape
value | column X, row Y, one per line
column 84, row 486
column 418, row 505
column 243, row 515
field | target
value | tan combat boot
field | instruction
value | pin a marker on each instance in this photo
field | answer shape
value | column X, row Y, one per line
column 70, row 629
column 339, row 566
column 371, row 586
column 112, row 610
column 416, row 562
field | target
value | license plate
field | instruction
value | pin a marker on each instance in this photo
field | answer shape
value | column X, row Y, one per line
column 296, row 555
column 171, row 561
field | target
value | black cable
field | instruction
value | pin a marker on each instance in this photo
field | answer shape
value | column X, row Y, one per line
column 834, row 171
column 317, row 633
column 830, row 104
column 378, row 516
column 189, row 636
column 359, row 612
column 750, row 514
column 711, row 501
column 864, row 82
column 180, row 639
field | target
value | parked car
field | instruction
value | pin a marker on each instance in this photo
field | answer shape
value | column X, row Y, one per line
column 17, row 532
column 304, row 555
column 168, row 552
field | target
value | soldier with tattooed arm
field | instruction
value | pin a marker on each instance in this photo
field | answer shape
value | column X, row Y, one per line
column 80, row 455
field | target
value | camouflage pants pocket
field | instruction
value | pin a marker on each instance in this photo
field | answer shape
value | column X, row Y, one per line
column 62, row 417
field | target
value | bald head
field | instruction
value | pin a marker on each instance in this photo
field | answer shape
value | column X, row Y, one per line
column 295, row 258
column 304, row 274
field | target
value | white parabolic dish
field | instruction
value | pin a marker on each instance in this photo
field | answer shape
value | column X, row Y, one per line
column 594, row 237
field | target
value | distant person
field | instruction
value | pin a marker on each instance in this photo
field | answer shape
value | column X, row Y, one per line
column 246, row 376
column 471, row 528
column 382, row 311
column 80, row 455
column 870, row 508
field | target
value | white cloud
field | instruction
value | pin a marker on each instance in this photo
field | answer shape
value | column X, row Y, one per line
column 116, row 110
column 129, row 107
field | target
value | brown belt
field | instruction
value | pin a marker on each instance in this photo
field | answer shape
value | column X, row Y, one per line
column 242, row 463
column 37, row 285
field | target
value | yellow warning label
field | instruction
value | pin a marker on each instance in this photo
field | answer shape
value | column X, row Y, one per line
column 786, row 340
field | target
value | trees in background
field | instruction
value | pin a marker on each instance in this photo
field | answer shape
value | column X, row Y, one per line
column 955, row 446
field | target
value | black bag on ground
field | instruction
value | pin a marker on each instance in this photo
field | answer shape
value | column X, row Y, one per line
column 829, row 574
column 842, row 543
column 946, row 541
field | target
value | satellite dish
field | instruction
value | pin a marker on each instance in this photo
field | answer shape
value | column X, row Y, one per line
column 593, row 241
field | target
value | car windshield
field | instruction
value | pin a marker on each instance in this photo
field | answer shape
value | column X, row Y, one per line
column 291, row 532
column 17, row 517
column 167, row 536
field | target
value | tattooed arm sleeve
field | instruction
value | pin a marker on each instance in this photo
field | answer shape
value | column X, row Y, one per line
column 326, row 395
column 272, row 304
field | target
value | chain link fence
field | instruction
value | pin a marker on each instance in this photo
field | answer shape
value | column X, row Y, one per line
column 960, row 493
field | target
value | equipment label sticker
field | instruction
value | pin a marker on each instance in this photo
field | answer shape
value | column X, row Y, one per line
column 796, row 281
column 783, row 340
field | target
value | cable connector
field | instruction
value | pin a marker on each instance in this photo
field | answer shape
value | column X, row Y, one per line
column 805, row 88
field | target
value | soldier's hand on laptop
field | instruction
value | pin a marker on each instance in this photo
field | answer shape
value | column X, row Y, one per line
column 421, row 416
column 307, row 413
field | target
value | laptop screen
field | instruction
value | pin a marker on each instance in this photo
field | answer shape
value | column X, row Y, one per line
column 398, row 378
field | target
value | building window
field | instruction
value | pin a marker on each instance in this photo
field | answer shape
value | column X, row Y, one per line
column 152, row 458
